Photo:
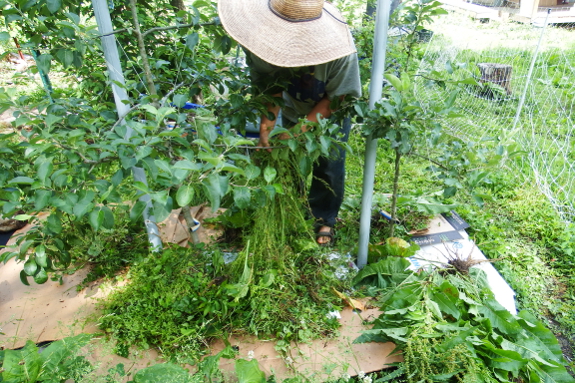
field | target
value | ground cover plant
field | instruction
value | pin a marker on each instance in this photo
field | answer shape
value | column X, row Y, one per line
column 73, row 159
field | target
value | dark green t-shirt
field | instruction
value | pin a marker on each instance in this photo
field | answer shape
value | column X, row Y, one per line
column 306, row 86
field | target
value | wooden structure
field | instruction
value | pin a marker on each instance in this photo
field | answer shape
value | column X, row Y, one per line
column 473, row 10
column 523, row 11
column 535, row 11
column 498, row 74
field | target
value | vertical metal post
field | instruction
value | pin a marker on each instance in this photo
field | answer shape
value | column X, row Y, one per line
column 117, row 76
column 375, row 90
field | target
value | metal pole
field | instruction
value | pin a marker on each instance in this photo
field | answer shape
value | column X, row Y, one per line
column 375, row 90
column 117, row 76
column 529, row 74
column 43, row 75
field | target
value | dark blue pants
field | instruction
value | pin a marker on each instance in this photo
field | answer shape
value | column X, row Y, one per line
column 328, row 183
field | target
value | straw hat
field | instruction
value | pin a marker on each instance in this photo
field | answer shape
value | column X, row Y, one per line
column 288, row 33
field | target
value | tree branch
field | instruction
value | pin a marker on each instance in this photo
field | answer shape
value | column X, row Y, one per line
column 144, row 34
column 142, row 48
column 121, row 118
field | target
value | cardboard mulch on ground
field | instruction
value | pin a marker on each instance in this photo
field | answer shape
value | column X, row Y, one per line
column 41, row 312
column 52, row 311
column 321, row 359
column 175, row 230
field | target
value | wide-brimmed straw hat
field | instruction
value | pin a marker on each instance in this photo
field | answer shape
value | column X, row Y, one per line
column 288, row 33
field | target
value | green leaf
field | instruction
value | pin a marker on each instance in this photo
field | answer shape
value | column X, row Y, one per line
column 162, row 373
column 4, row 36
column 192, row 40
column 525, row 349
column 270, row 174
column 51, row 119
column 383, row 335
column 242, row 197
column 96, row 218
column 151, row 168
column 164, row 165
column 434, row 308
column 45, row 170
column 395, row 82
column 74, row 17
column 30, row 267
column 555, row 374
column 188, row 165
column 451, row 99
column 252, row 172
column 137, row 210
column 65, row 56
column 305, row 165
column 390, row 266
column 58, row 354
column 213, row 190
column 143, row 152
column 180, row 100
column 128, row 162
column 499, row 317
column 227, row 167
column 80, row 47
column 41, row 259
column 108, row 222
column 21, row 181
column 207, row 132
column 54, row 223
column 184, row 195
column 24, row 278
column 546, row 343
column 22, row 365
column 249, row 371
column 118, row 177
column 41, row 276
column 44, row 62
column 54, row 5
column 447, row 299
column 162, row 210
column 503, row 359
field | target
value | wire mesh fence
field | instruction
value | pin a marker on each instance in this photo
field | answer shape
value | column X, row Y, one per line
column 536, row 106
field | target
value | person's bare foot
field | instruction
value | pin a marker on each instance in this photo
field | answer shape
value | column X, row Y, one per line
column 324, row 236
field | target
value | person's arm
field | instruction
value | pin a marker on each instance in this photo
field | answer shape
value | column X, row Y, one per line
column 322, row 108
column 267, row 125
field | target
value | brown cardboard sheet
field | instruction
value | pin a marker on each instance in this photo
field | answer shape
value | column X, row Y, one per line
column 42, row 312
column 322, row 359
column 52, row 311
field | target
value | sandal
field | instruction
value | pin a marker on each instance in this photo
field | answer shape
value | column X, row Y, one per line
column 329, row 234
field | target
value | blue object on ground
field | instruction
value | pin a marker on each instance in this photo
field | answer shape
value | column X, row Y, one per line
column 5, row 237
column 191, row 105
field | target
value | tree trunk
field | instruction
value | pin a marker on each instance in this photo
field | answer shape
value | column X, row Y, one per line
column 178, row 5
column 498, row 74
column 394, row 194
column 142, row 47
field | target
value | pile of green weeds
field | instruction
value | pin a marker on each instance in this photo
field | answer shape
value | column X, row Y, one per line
column 450, row 328
column 180, row 299
column 278, row 286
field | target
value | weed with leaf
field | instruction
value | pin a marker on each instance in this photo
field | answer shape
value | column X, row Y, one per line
column 449, row 327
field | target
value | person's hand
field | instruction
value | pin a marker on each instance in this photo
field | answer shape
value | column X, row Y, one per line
column 264, row 141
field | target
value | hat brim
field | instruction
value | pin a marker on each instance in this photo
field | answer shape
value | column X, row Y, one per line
column 284, row 43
